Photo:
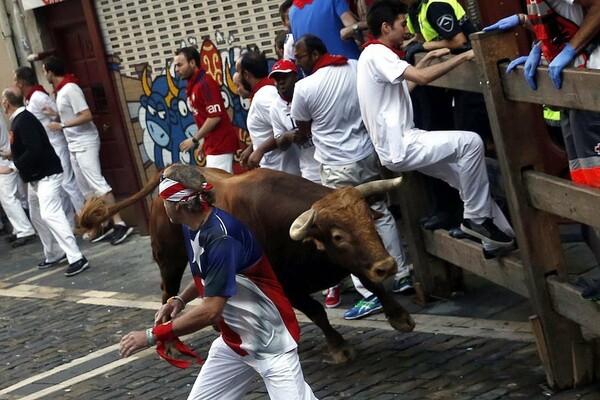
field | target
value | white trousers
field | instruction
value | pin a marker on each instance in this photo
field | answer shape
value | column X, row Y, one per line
column 48, row 216
column 86, row 166
column 367, row 170
column 457, row 158
column 227, row 375
column 222, row 161
column 9, row 198
column 69, row 182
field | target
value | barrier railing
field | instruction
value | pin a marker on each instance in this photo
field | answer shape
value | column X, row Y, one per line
column 538, row 269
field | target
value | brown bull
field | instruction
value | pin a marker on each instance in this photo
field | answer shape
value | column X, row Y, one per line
column 332, row 230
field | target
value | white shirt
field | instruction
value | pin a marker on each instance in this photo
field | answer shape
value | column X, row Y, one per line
column 385, row 103
column 71, row 101
column 288, row 47
column 283, row 122
column 4, row 145
column 328, row 98
column 35, row 105
column 260, row 129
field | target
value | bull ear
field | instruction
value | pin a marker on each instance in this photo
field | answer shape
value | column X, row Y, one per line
column 376, row 214
column 320, row 245
column 378, row 187
column 300, row 227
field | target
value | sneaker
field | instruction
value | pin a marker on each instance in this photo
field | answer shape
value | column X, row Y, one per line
column 120, row 234
column 487, row 231
column 47, row 264
column 104, row 233
column 498, row 252
column 77, row 267
column 11, row 238
column 333, row 298
column 591, row 291
column 22, row 241
column 403, row 285
column 363, row 308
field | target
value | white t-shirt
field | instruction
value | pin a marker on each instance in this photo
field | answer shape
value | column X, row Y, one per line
column 328, row 98
column 283, row 122
column 288, row 47
column 260, row 129
column 4, row 145
column 385, row 101
column 35, row 105
column 71, row 101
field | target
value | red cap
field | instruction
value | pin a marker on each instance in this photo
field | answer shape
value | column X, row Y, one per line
column 283, row 66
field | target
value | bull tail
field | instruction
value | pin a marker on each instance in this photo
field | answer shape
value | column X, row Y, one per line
column 95, row 212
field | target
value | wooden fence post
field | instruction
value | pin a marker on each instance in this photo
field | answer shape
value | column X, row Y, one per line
column 517, row 146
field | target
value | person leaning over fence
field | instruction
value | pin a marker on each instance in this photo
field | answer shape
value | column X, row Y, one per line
column 240, row 293
column 384, row 81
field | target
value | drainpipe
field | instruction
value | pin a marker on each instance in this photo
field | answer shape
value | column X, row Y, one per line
column 20, row 30
column 8, row 36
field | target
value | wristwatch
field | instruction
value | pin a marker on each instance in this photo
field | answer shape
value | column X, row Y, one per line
column 195, row 140
column 355, row 28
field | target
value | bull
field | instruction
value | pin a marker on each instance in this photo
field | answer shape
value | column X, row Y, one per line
column 314, row 236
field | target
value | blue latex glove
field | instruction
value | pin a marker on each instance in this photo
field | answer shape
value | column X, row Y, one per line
column 532, row 61
column 564, row 58
column 504, row 23
column 513, row 64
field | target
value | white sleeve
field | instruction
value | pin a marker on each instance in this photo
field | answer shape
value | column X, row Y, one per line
column 278, row 126
column 300, row 111
column 387, row 66
column 77, row 100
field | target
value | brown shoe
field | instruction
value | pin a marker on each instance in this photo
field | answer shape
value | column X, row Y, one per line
column 22, row 241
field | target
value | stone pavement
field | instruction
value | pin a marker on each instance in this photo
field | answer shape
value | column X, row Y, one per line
column 60, row 337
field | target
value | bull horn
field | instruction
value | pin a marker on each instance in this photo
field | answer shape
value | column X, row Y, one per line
column 377, row 187
column 173, row 89
column 300, row 226
column 145, row 85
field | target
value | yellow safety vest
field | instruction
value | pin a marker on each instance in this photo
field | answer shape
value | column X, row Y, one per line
column 427, row 30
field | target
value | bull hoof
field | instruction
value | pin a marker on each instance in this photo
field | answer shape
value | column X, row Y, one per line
column 404, row 323
column 341, row 355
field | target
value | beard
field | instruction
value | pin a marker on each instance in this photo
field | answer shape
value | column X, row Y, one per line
column 246, row 84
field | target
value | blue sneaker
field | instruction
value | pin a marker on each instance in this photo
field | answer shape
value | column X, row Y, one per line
column 363, row 308
column 403, row 285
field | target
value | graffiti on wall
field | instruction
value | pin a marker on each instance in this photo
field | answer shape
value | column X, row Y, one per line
column 163, row 113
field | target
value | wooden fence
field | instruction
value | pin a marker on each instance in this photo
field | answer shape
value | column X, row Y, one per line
column 535, row 199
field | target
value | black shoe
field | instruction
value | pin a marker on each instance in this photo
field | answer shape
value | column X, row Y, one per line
column 10, row 238
column 22, row 241
column 498, row 252
column 458, row 233
column 77, row 267
column 487, row 231
column 104, row 234
column 47, row 264
column 437, row 221
column 120, row 234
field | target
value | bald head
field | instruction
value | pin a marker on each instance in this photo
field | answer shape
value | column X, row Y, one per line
column 14, row 96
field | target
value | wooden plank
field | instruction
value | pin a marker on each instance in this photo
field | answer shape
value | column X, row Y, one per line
column 518, row 148
column 562, row 197
column 566, row 300
column 507, row 271
column 583, row 363
column 542, row 348
column 464, row 77
column 580, row 90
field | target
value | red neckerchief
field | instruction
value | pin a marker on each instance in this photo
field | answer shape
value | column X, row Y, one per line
column 399, row 53
column 196, row 76
column 35, row 88
column 262, row 83
column 301, row 3
column 68, row 78
column 327, row 60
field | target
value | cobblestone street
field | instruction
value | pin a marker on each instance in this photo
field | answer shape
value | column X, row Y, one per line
column 60, row 338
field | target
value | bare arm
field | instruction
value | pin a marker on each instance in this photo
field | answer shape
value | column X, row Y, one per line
column 590, row 27
column 348, row 19
column 286, row 139
column 80, row 119
column 426, row 61
column 264, row 148
column 208, row 126
column 423, row 76
column 457, row 42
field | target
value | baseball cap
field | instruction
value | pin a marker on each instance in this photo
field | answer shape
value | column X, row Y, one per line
column 283, row 66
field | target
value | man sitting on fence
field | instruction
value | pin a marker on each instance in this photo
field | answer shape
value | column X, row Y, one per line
column 453, row 156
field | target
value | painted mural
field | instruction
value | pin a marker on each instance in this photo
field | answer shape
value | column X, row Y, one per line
column 163, row 114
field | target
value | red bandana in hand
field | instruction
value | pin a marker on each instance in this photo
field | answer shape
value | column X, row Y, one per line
column 69, row 78
column 329, row 60
column 164, row 333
